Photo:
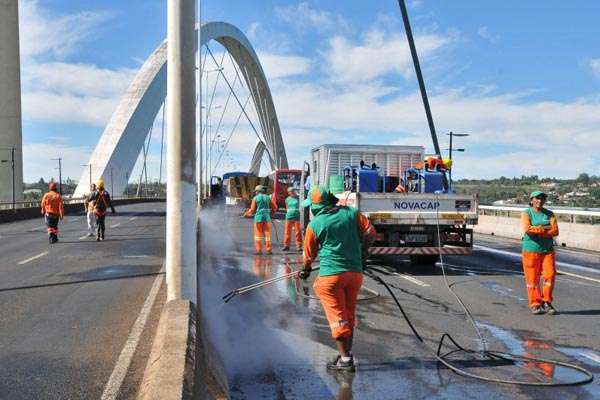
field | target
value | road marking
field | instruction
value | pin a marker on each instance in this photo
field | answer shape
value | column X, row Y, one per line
column 116, row 378
column 518, row 256
column 578, row 276
column 115, row 225
column 132, row 218
column 25, row 261
column 35, row 229
column 591, row 356
column 413, row 280
column 138, row 256
column 84, row 237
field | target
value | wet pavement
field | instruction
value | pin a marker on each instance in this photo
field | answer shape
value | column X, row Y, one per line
column 274, row 342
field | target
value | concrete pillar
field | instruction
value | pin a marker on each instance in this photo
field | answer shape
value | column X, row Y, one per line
column 181, row 151
column 10, row 102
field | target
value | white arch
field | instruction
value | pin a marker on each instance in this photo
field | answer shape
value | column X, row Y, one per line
column 123, row 137
column 257, row 156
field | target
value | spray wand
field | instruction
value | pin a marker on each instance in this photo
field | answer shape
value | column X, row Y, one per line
column 246, row 289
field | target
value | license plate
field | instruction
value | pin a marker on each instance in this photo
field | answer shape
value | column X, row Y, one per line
column 414, row 238
column 380, row 216
column 453, row 216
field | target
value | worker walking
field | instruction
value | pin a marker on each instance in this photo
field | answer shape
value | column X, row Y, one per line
column 263, row 208
column 341, row 237
column 89, row 209
column 102, row 203
column 292, row 220
column 539, row 228
column 53, row 209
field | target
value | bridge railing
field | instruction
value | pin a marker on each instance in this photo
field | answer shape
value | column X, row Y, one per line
column 36, row 203
column 572, row 215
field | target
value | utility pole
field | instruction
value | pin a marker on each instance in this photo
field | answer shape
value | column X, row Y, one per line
column 59, row 174
column 181, row 148
column 452, row 134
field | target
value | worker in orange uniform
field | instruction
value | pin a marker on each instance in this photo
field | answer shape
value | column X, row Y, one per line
column 539, row 228
column 53, row 209
column 400, row 188
column 341, row 237
column 263, row 208
column 102, row 202
column 292, row 220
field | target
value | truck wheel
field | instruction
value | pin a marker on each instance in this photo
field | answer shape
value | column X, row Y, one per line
column 425, row 260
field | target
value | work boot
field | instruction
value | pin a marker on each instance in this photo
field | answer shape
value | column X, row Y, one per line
column 285, row 248
column 338, row 365
column 50, row 239
column 537, row 310
column 269, row 252
column 97, row 238
column 550, row 310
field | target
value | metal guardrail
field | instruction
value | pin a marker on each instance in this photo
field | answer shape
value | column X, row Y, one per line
column 36, row 203
column 572, row 215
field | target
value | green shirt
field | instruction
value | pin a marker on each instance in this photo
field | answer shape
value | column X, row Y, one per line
column 336, row 230
column 536, row 243
column 293, row 208
column 263, row 208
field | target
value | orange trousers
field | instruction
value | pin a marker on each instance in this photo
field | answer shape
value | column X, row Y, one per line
column 536, row 265
column 287, row 233
column 338, row 294
column 262, row 231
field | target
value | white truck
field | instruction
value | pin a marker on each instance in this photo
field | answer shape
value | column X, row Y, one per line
column 406, row 223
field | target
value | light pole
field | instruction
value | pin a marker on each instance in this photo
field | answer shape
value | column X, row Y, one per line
column 12, row 163
column 452, row 134
column 59, row 174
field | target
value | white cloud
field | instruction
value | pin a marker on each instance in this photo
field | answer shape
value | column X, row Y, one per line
column 42, row 33
column 37, row 161
column 378, row 54
column 304, row 18
column 485, row 34
column 281, row 66
column 595, row 66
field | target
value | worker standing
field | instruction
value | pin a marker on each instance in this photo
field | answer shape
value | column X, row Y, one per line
column 53, row 209
column 89, row 209
column 102, row 203
column 292, row 220
column 539, row 228
column 263, row 208
column 341, row 237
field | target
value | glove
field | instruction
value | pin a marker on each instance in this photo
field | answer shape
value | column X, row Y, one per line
column 305, row 273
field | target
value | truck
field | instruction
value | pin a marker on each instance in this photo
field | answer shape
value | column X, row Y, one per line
column 283, row 179
column 406, row 219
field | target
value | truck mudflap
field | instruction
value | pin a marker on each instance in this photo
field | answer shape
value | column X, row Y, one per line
column 451, row 250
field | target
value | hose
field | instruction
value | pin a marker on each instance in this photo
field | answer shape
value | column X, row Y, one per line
column 484, row 352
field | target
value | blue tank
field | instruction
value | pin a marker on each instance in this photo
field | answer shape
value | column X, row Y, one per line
column 368, row 180
column 434, row 182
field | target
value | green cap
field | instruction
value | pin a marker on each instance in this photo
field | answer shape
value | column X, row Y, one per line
column 319, row 196
column 537, row 193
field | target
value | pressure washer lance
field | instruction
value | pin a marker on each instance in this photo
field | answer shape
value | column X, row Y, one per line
column 258, row 285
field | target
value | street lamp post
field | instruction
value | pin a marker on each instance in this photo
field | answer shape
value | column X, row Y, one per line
column 12, row 163
column 59, row 159
column 452, row 134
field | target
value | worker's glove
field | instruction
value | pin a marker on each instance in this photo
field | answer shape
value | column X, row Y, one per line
column 305, row 273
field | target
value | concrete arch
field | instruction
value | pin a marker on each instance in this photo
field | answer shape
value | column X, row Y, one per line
column 257, row 156
column 123, row 137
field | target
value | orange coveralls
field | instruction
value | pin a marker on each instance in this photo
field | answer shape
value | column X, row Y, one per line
column 262, row 219
column 536, row 265
column 52, row 205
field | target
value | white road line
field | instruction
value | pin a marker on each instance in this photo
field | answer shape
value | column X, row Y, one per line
column 518, row 256
column 116, row 378
column 413, row 280
column 84, row 237
column 591, row 356
column 25, row 261
column 115, row 225
column 132, row 218
column 578, row 276
column 35, row 229
column 138, row 256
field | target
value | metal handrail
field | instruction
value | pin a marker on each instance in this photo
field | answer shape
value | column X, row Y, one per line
column 558, row 211
column 36, row 203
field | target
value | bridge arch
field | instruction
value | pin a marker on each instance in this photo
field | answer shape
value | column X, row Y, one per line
column 123, row 137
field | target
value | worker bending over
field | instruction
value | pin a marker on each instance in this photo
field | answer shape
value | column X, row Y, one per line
column 53, row 209
column 341, row 237
column 539, row 228
column 263, row 208
column 102, row 202
column 292, row 220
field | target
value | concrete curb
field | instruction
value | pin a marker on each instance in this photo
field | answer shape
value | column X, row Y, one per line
column 170, row 372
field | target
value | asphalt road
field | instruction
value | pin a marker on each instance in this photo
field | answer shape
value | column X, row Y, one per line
column 67, row 309
column 274, row 342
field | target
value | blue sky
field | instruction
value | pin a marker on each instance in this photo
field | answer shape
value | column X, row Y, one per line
column 523, row 78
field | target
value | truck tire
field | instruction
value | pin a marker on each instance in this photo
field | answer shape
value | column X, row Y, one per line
column 424, row 259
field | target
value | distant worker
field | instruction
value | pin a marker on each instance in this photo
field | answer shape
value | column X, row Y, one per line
column 412, row 180
column 292, row 220
column 341, row 237
column 539, row 228
column 400, row 188
column 89, row 209
column 102, row 203
column 53, row 209
column 263, row 208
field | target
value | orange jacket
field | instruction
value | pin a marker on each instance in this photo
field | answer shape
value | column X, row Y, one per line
column 529, row 229
column 52, row 203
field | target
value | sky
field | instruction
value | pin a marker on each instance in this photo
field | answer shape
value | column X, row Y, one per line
column 521, row 78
